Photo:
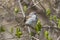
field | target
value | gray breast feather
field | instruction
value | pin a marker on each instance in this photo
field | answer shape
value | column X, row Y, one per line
column 32, row 20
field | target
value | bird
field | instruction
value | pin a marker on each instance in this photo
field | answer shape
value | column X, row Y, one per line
column 31, row 22
column 32, row 19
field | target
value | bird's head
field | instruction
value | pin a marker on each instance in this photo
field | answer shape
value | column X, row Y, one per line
column 31, row 14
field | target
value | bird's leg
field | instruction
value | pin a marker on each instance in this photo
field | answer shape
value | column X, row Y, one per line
column 29, row 31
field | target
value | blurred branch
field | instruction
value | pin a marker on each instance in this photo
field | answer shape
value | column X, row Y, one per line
column 5, row 2
column 35, row 38
column 12, row 35
column 42, row 6
column 20, row 5
column 7, row 9
column 52, row 28
column 35, row 4
column 58, row 38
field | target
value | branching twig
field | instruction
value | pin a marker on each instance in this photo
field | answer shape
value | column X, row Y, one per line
column 35, row 4
column 42, row 6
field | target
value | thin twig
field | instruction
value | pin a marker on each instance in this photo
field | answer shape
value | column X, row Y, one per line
column 5, row 2
column 35, row 38
column 21, row 7
column 42, row 6
column 58, row 38
column 12, row 34
column 35, row 4
column 52, row 28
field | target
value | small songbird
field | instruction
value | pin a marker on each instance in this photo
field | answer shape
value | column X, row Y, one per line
column 32, row 19
column 31, row 23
